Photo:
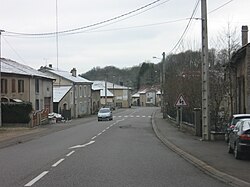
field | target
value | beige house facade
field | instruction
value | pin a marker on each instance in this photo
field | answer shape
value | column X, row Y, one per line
column 22, row 82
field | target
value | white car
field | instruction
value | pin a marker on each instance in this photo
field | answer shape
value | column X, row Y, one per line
column 104, row 114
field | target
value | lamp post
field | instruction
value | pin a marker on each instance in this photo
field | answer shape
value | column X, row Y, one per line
column 162, row 81
column 1, row 77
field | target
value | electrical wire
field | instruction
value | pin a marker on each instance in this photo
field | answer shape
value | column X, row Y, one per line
column 186, row 28
column 220, row 7
column 13, row 49
column 88, row 26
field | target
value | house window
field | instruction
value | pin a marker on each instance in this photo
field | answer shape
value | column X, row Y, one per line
column 13, row 85
column 76, row 91
column 71, row 97
column 4, row 86
column 37, row 104
column 20, row 86
column 37, row 85
column 80, row 91
column 89, row 91
column 85, row 91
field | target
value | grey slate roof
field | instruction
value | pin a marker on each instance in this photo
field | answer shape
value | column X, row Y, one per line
column 59, row 92
column 67, row 75
column 98, row 85
column 12, row 67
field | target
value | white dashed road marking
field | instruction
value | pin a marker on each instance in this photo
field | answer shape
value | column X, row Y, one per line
column 58, row 162
column 36, row 179
column 70, row 153
column 80, row 146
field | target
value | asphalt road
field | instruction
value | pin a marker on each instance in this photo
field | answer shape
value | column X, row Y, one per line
column 122, row 152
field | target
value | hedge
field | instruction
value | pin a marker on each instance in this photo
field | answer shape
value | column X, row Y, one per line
column 16, row 112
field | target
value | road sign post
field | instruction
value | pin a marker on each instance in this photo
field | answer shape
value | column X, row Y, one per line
column 180, row 103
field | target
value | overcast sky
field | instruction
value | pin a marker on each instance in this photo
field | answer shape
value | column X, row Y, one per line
column 124, row 42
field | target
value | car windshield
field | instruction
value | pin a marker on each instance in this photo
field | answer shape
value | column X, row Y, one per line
column 246, row 126
column 104, row 110
column 235, row 120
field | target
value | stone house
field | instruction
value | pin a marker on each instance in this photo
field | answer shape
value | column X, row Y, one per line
column 72, row 93
column 239, row 68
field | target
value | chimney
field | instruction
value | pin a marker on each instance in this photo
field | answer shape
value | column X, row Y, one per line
column 244, row 35
column 50, row 65
column 73, row 72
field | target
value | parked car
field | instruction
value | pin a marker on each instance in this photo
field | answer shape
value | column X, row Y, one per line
column 239, row 139
column 104, row 114
column 232, row 122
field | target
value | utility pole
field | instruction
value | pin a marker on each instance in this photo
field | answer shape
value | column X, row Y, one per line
column 163, row 85
column 1, row 76
column 106, row 91
column 205, row 74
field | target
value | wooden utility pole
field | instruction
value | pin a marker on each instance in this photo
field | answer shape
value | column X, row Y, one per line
column 205, row 74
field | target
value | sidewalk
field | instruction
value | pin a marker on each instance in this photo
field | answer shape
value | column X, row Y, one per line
column 210, row 156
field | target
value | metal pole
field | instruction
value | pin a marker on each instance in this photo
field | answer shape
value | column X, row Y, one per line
column 105, row 91
column 1, row 77
column 205, row 74
column 164, row 85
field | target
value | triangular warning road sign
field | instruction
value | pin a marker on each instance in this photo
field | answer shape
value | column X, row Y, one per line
column 181, row 101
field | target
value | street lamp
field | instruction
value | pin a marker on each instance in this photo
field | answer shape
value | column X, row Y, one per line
column 162, row 81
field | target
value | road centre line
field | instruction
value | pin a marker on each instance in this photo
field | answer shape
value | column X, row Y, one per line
column 70, row 153
column 99, row 134
column 80, row 146
column 58, row 162
column 103, row 130
column 94, row 137
column 33, row 181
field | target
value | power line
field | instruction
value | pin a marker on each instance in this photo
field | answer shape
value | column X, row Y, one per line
column 88, row 26
column 13, row 49
column 185, row 30
column 220, row 7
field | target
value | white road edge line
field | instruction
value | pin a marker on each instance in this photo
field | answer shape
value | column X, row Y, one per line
column 33, row 181
column 70, row 153
column 94, row 137
column 58, row 162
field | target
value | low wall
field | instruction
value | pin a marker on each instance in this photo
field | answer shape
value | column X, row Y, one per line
column 187, row 127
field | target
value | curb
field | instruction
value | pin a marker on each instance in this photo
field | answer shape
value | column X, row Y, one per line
column 226, row 178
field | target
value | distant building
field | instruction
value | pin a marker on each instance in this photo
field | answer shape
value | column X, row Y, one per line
column 22, row 82
column 136, row 99
column 116, row 95
column 72, row 93
column 149, row 97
